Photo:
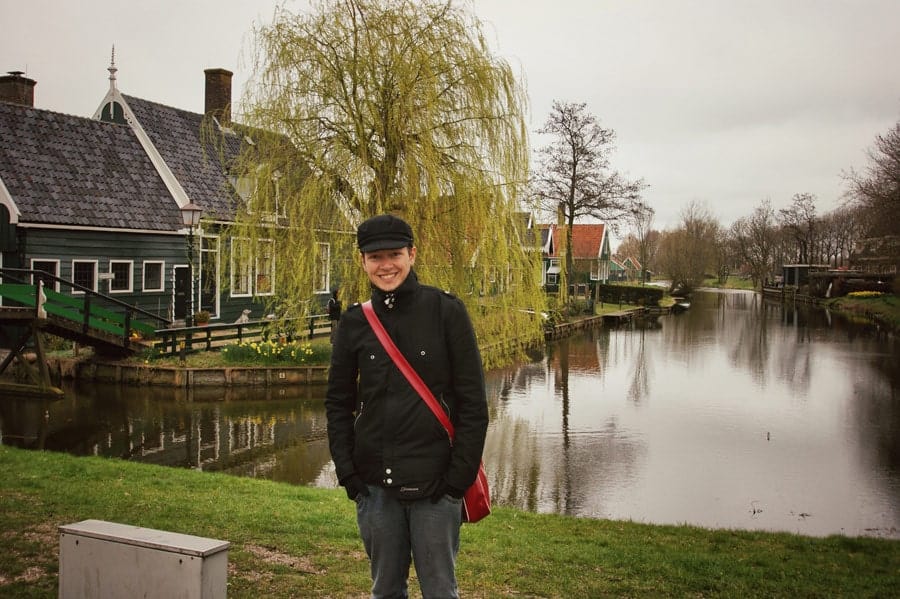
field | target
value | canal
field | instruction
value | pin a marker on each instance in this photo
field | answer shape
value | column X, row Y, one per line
column 738, row 413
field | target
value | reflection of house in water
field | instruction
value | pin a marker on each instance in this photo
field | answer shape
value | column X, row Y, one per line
column 241, row 437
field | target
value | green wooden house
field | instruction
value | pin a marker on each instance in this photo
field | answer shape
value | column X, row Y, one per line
column 132, row 202
column 590, row 256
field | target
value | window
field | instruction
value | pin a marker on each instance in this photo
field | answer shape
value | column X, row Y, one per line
column 209, row 274
column 153, row 276
column 50, row 267
column 265, row 268
column 252, row 274
column 84, row 273
column 553, row 272
column 323, row 268
column 240, row 267
column 595, row 271
column 244, row 186
column 122, row 276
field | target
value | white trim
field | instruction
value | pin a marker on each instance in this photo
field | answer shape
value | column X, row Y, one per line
column 205, row 259
column 180, row 232
column 168, row 177
column 323, row 262
column 7, row 200
column 270, row 274
column 55, row 274
column 546, row 247
column 247, row 266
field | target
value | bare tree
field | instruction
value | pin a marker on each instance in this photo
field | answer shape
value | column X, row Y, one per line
column 877, row 189
column 642, row 225
column 575, row 179
column 799, row 221
column 755, row 240
column 687, row 253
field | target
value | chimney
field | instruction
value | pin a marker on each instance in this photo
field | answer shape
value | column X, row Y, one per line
column 16, row 89
column 218, row 94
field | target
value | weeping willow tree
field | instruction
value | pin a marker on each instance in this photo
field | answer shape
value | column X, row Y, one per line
column 392, row 106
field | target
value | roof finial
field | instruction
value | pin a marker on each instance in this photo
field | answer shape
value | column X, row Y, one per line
column 112, row 69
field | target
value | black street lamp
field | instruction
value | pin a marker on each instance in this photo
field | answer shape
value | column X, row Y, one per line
column 190, row 215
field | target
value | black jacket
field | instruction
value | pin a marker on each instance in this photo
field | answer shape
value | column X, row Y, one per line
column 378, row 426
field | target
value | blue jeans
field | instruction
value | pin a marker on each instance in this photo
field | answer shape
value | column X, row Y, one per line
column 396, row 533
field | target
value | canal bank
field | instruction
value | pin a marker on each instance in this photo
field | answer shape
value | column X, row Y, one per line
column 881, row 311
column 87, row 368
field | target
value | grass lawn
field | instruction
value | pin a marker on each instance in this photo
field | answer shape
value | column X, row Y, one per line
column 884, row 309
column 732, row 282
column 294, row 541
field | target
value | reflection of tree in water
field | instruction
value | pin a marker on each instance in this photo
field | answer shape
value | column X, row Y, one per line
column 640, row 379
column 876, row 406
column 750, row 343
column 537, row 472
column 535, row 462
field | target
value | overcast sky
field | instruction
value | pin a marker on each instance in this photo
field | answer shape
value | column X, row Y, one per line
column 723, row 102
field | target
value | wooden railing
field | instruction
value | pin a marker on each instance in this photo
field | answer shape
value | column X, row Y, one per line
column 211, row 337
column 92, row 314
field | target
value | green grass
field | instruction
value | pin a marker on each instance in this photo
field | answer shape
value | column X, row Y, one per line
column 732, row 282
column 885, row 309
column 292, row 541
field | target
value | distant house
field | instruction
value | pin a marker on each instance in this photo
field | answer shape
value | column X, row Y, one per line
column 100, row 201
column 633, row 270
column 532, row 239
column 590, row 255
column 550, row 267
column 877, row 255
column 617, row 271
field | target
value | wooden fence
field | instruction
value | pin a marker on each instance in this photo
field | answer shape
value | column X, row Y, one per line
column 212, row 337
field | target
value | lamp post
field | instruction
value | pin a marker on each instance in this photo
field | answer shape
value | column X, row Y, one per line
column 190, row 215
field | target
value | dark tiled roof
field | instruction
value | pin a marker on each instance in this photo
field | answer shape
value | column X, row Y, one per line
column 67, row 170
column 198, row 164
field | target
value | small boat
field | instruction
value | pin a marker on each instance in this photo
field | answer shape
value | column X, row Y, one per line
column 681, row 306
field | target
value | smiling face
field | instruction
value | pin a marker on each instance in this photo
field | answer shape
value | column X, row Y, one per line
column 387, row 269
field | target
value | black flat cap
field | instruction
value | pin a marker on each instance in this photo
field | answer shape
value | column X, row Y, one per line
column 383, row 232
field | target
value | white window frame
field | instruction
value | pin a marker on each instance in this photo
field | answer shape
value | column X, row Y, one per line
column 260, row 270
column 209, row 254
column 130, row 282
column 55, row 274
column 95, row 276
column 552, row 277
column 162, row 275
column 245, row 263
column 251, row 267
column 323, row 267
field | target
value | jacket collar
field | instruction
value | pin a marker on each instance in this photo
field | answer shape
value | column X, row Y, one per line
column 400, row 297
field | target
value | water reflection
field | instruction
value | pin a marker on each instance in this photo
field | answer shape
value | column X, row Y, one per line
column 240, row 431
column 738, row 413
column 734, row 414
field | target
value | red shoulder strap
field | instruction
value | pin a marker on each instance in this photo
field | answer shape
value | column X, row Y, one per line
column 411, row 375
